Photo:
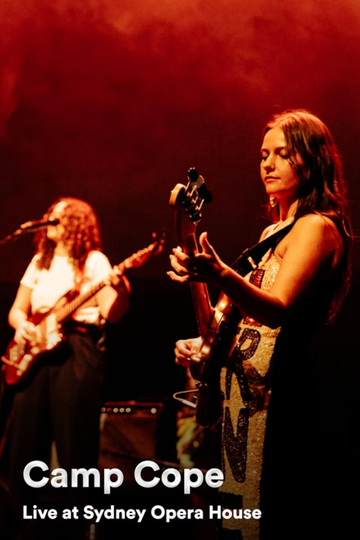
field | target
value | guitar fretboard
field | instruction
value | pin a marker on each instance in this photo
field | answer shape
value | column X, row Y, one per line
column 135, row 260
column 64, row 313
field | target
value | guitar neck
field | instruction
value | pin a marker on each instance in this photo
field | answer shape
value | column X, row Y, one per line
column 135, row 260
column 65, row 312
column 199, row 291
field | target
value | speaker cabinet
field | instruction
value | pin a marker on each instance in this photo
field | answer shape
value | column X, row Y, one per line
column 129, row 433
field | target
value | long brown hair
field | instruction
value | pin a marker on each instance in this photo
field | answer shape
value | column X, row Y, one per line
column 322, row 188
column 82, row 233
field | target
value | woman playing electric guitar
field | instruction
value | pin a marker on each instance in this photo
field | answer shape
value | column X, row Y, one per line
column 61, row 400
column 297, row 285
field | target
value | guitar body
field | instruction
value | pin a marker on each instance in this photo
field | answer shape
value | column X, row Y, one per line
column 206, row 366
column 19, row 359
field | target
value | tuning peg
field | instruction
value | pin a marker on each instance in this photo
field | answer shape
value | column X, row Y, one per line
column 193, row 174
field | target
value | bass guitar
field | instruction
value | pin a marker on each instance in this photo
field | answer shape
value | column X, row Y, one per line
column 20, row 359
column 217, row 326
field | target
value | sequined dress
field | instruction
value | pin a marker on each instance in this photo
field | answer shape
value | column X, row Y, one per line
column 246, row 387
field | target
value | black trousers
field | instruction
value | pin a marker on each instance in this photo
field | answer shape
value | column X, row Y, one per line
column 61, row 402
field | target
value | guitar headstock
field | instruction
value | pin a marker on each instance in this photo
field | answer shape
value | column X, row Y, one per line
column 139, row 258
column 188, row 202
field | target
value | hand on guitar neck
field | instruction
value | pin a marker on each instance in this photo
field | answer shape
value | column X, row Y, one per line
column 203, row 267
column 117, row 280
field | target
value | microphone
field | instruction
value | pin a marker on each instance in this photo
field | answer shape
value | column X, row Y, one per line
column 39, row 224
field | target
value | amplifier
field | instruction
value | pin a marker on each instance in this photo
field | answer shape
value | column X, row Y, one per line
column 129, row 433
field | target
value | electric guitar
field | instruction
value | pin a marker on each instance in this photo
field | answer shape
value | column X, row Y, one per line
column 217, row 326
column 19, row 359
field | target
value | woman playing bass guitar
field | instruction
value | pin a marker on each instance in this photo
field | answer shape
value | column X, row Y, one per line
column 297, row 286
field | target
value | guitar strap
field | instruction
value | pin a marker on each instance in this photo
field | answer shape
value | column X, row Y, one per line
column 250, row 257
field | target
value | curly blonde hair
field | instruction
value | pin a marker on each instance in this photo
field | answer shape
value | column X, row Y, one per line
column 82, row 233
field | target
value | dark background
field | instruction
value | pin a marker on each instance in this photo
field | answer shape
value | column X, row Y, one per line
column 112, row 102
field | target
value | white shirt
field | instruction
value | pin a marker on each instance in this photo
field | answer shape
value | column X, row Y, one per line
column 48, row 286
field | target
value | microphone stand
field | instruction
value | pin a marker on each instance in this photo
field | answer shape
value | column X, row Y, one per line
column 18, row 234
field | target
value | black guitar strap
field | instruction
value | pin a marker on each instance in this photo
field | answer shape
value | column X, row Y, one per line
column 250, row 258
